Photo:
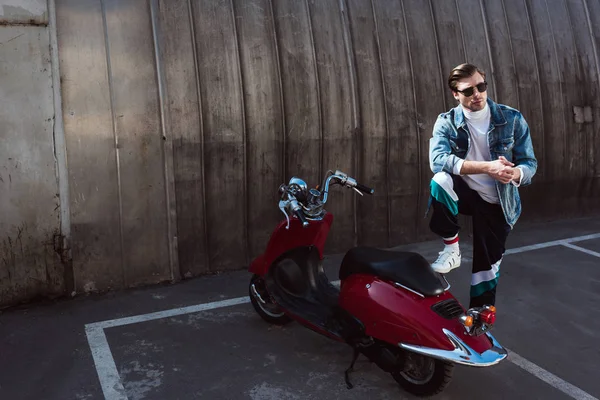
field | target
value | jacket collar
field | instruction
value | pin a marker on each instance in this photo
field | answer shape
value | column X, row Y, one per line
column 496, row 116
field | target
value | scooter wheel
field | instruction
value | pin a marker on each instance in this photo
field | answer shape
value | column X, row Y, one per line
column 262, row 303
column 424, row 376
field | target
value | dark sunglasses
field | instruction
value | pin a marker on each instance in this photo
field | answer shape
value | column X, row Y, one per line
column 482, row 87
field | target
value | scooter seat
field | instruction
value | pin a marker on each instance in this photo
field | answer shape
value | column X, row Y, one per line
column 406, row 268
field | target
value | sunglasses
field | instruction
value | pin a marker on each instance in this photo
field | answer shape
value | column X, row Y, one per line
column 482, row 87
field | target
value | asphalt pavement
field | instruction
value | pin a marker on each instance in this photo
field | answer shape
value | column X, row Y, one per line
column 201, row 339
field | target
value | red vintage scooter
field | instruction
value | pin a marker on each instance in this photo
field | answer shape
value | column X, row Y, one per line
column 391, row 306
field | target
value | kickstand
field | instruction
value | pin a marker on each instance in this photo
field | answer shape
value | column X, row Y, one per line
column 350, row 369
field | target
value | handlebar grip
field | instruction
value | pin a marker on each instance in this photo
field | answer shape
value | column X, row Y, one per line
column 301, row 217
column 365, row 189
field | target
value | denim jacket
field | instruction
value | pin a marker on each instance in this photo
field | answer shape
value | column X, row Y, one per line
column 508, row 136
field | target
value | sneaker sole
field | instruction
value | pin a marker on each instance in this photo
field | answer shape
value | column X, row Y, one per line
column 445, row 271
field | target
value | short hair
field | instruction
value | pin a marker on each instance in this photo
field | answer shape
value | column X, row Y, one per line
column 462, row 71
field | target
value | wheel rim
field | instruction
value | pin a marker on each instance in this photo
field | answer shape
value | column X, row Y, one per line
column 263, row 299
column 420, row 369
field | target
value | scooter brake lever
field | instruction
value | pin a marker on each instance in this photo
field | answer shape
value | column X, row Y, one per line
column 357, row 191
column 282, row 205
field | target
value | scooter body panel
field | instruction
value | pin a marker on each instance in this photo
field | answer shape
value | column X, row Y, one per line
column 396, row 315
column 283, row 240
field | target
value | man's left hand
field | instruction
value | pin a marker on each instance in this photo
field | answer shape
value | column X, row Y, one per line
column 516, row 174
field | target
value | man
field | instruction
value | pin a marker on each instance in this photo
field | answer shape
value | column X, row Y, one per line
column 480, row 153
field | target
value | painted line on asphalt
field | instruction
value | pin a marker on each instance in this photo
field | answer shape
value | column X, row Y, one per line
column 170, row 313
column 113, row 388
column 551, row 244
column 587, row 251
column 549, row 378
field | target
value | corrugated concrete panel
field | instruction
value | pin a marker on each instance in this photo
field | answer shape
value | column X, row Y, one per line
column 589, row 47
column 335, row 71
column 224, row 130
column 29, row 203
column 402, row 183
column 552, row 100
column 94, row 182
column 592, row 11
column 525, row 74
column 500, row 52
column 372, row 132
column 23, row 12
column 185, row 126
column 427, row 78
column 301, row 102
column 263, row 116
column 140, row 165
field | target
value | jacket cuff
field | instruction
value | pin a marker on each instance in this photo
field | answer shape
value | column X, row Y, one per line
column 457, row 167
column 517, row 184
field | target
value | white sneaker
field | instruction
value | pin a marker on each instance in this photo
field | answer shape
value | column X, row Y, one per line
column 447, row 261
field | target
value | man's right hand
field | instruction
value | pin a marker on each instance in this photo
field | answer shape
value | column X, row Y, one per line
column 500, row 169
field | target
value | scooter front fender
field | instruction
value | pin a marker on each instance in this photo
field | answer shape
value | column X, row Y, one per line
column 462, row 353
column 403, row 318
column 283, row 240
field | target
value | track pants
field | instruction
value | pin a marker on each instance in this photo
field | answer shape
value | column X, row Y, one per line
column 450, row 195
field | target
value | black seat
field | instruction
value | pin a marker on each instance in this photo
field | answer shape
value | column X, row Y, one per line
column 406, row 268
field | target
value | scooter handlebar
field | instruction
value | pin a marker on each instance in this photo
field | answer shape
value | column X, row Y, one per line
column 301, row 217
column 351, row 182
column 297, row 209
column 364, row 189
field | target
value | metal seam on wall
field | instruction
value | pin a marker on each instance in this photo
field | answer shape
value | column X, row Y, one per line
column 166, row 145
column 387, row 125
column 593, row 39
column 439, row 56
column 116, row 138
column 281, row 98
column 244, row 131
column 537, row 68
column 201, row 126
column 350, row 59
column 415, row 111
column 578, row 69
column 489, row 47
column 561, row 85
column 462, row 34
column 60, row 148
column 595, row 51
column 318, row 90
column 512, row 53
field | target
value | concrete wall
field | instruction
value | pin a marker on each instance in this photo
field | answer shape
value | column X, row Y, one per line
column 182, row 117
column 30, row 235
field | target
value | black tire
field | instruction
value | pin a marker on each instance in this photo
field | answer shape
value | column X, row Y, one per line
column 269, row 310
column 427, row 377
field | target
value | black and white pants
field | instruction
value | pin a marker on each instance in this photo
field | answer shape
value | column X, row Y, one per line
column 450, row 196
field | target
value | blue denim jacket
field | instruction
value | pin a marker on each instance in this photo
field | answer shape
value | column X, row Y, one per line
column 508, row 136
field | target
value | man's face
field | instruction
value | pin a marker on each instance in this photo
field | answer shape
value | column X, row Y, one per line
column 477, row 100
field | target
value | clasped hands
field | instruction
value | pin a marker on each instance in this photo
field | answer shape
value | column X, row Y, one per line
column 503, row 170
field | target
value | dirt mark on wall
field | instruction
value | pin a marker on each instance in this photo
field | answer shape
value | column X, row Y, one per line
column 32, row 264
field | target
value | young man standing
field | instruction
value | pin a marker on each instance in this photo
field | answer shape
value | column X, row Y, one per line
column 480, row 153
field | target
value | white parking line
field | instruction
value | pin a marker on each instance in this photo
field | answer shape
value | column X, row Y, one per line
column 549, row 378
column 113, row 388
column 552, row 243
column 587, row 251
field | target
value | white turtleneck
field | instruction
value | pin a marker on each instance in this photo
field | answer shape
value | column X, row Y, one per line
column 478, row 123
